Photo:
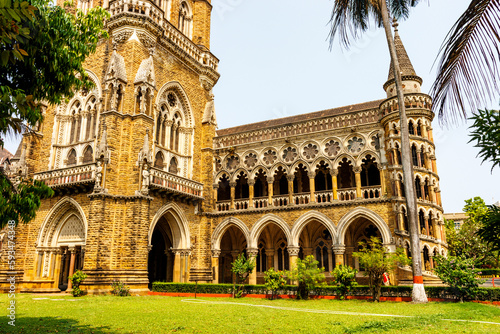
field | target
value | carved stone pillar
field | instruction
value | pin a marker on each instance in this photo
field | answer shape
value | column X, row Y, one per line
column 382, row 180
column 215, row 187
column 293, row 252
column 71, row 266
column 251, row 184
column 432, row 194
column 339, row 251
column 233, row 189
column 419, row 160
column 357, row 171
column 290, row 189
column 426, row 223
column 252, row 255
column 270, row 258
column 401, row 220
column 215, row 265
column 312, row 186
column 270, row 181
column 334, row 173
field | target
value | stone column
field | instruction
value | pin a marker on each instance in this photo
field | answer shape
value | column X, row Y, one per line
column 432, row 194
column 435, row 225
column 215, row 265
column 357, row 171
column 290, row 189
column 422, row 189
column 382, row 180
column 312, row 187
column 426, row 221
column 270, row 181
column 293, row 252
column 438, row 195
column 339, row 251
column 425, row 134
column 251, row 183
column 233, row 190
column 395, row 156
column 433, row 162
column 398, row 186
column 216, row 192
column 429, row 132
column 177, row 265
column 419, row 161
column 330, row 259
column 71, row 266
column 270, row 258
column 334, row 173
column 252, row 254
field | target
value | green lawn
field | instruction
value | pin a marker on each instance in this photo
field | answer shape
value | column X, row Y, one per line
column 158, row 314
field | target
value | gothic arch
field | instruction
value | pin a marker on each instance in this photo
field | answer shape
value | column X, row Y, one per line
column 306, row 218
column 361, row 212
column 180, row 229
column 219, row 231
column 177, row 87
column 259, row 226
column 60, row 213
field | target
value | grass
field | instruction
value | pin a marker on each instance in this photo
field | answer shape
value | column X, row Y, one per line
column 158, row 314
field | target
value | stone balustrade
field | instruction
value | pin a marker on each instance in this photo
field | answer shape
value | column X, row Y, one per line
column 299, row 199
column 371, row 192
column 346, row 194
column 67, row 176
column 172, row 182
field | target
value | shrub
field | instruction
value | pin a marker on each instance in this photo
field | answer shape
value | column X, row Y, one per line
column 374, row 258
column 460, row 275
column 274, row 281
column 308, row 276
column 120, row 289
column 76, row 279
column 495, row 271
column 241, row 267
column 345, row 278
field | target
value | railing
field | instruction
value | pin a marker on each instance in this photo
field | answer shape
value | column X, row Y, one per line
column 324, row 196
column 143, row 8
column 241, row 204
column 170, row 181
column 280, row 200
column 301, row 198
column 346, row 194
column 223, row 205
column 67, row 176
column 260, row 202
column 371, row 192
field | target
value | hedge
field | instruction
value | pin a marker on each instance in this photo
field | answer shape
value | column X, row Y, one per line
column 489, row 272
column 485, row 294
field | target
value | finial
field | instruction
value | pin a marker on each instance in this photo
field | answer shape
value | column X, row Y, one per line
column 115, row 45
column 151, row 51
column 395, row 25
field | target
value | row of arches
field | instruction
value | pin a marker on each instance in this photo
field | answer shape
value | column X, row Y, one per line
column 86, row 157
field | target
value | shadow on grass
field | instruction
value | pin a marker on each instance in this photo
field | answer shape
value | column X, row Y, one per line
column 397, row 324
column 49, row 325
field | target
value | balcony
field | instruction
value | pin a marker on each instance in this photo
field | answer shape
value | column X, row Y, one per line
column 174, row 185
column 145, row 9
column 81, row 177
column 321, row 197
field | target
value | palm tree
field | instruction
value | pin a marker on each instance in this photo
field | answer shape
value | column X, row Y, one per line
column 349, row 18
column 468, row 69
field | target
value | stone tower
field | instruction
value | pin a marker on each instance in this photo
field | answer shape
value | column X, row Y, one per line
column 129, row 160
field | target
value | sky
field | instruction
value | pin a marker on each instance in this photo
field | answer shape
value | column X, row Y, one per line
column 275, row 62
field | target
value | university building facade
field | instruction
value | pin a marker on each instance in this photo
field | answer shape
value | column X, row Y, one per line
column 148, row 189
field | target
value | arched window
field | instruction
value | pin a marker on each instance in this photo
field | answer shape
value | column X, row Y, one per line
column 406, row 225
column 301, row 180
column 370, row 175
column 241, row 190
column 224, row 191
column 75, row 122
column 322, row 255
column 91, row 118
column 283, row 259
column 418, row 187
column 173, row 166
column 422, row 157
column 159, row 160
column 88, row 155
column 322, row 180
column 346, row 174
column 421, row 223
column 260, row 186
column 419, row 129
column 398, row 155
column 414, row 156
column 185, row 19
column 411, row 128
column 401, row 186
column 71, row 158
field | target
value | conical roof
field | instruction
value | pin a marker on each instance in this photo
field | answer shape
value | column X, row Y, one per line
column 405, row 64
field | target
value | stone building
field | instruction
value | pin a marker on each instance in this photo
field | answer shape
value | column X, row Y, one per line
column 148, row 189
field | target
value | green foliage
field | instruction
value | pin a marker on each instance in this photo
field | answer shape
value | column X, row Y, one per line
column 493, row 272
column 459, row 274
column 308, row 276
column 242, row 267
column 475, row 208
column 274, row 281
column 19, row 203
column 120, row 289
column 490, row 228
column 374, row 258
column 485, row 132
column 76, row 279
column 345, row 279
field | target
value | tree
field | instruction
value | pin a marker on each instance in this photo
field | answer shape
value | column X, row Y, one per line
column 42, row 50
column 308, row 276
column 486, row 135
column 241, row 267
column 373, row 257
column 459, row 274
column 490, row 229
column 468, row 66
column 345, row 278
column 274, row 281
column 349, row 18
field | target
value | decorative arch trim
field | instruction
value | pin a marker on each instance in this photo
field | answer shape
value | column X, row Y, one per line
column 306, row 218
column 224, row 226
column 177, row 87
column 184, row 238
column 259, row 226
column 361, row 212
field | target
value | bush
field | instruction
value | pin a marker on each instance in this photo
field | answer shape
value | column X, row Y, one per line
column 495, row 271
column 76, row 279
column 345, row 278
column 460, row 275
column 275, row 280
column 120, row 289
column 308, row 275
column 241, row 267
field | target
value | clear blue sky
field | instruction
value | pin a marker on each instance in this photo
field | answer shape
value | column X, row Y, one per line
column 275, row 62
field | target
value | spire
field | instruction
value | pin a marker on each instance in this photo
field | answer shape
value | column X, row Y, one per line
column 405, row 66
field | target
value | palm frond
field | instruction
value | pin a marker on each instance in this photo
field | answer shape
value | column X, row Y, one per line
column 468, row 68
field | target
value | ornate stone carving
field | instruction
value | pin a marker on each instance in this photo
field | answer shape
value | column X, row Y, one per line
column 355, row 145
column 289, row 154
column 293, row 250
column 232, row 162
column 332, row 148
column 310, row 151
column 250, row 160
column 122, row 36
column 270, row 156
